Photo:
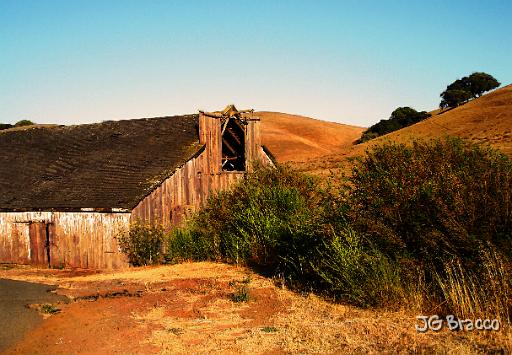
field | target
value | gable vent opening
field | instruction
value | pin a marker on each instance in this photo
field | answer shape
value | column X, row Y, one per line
column 233, row 145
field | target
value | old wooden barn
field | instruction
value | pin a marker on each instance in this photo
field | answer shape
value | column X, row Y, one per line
column 67, row 191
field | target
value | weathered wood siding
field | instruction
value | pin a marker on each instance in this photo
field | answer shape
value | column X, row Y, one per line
column 191, row 185
column 38, row 243
column 77, row 239
column 210, row 135
column 253, row 150
column 186, row 190
column 14, row 240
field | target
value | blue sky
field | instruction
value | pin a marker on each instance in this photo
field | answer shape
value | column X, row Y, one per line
column 346, row 61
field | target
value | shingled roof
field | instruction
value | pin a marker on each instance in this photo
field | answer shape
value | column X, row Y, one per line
column 108, row 165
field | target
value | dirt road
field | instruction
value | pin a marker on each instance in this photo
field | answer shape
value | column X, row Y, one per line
column 17, row 319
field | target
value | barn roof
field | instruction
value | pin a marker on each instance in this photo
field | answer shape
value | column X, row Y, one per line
column 108, row 165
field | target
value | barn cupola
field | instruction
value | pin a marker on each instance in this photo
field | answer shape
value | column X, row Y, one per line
column 231, row 137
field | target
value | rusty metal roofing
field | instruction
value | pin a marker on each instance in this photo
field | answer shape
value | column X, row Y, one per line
column 103, row 166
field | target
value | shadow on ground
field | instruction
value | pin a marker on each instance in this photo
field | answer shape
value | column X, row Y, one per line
column 17, row 318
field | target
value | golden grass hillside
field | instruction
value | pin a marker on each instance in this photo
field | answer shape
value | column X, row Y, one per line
column 486, row 120
column 298, row 138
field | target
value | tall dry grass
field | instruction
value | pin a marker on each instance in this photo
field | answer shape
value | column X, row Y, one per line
column 473, row 292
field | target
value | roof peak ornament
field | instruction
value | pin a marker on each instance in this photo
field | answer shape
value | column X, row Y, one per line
column 230, row 111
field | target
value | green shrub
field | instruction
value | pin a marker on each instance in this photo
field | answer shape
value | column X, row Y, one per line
column 273, row 219
column 358, row 273
column 269, row 329
column 184, row 244
column 434, row 205
column 240, row 295
column 433, row 200
column 143, row 243
column 49, row 309
column 250, row 223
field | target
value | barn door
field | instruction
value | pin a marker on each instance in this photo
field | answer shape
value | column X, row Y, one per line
column 39, row 243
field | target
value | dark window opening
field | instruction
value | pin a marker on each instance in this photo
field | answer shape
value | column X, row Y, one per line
column 233, row 146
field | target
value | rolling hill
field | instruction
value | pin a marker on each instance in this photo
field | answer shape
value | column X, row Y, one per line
column 293, row 138
column 486, row 120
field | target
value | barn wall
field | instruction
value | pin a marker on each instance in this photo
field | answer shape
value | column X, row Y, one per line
column 191, row 185
column 77, row 239
column 186, row 190
column 88, row 239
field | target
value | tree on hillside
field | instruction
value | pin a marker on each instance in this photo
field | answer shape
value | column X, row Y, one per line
column 482, row 82
column 454, row 98
column 407, row 116
column 467, row 88
column 17, row 124
column 460, row 84
column 399, row 118
column 23, row 123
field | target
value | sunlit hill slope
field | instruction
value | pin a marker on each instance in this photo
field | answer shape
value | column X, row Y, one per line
column 486, row 120
column 298, row 138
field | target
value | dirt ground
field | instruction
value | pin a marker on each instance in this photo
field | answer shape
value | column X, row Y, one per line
column 191, row 308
